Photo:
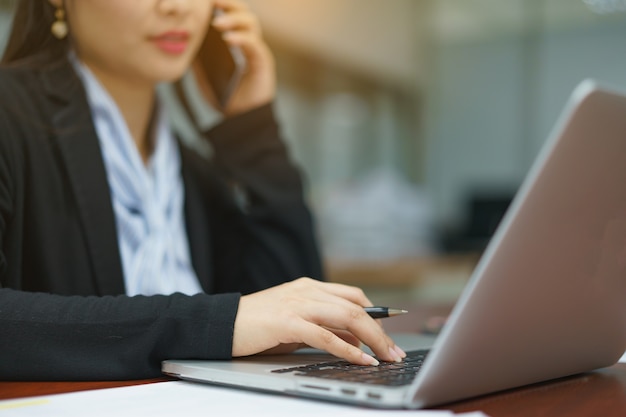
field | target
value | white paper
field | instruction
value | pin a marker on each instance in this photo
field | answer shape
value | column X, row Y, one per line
column 179, row 398
column 623, row 358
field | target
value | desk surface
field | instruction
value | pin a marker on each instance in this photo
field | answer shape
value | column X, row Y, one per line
column 600, row 393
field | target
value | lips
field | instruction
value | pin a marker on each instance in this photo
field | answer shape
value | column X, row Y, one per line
column 172, row 42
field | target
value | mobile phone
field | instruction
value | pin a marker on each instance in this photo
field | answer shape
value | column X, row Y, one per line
column 224, row 65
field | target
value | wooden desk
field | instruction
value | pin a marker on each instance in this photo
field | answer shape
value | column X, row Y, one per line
column 399, row 273
column 10, row 390
column 599, row 393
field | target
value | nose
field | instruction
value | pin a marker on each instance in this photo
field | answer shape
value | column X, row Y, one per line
column 169, row 7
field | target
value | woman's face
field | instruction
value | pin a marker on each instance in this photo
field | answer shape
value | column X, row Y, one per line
column 140, row 40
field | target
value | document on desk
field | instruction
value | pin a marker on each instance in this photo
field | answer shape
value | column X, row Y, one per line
column 623, row 358
column 180, row 398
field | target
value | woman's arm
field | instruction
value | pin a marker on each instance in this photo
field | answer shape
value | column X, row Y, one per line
column 51, row 337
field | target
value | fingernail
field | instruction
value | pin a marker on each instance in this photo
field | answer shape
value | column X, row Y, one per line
column 220, row 20
column 394, row 355
column 399, row 351
column 369, row 359
column 229, row 36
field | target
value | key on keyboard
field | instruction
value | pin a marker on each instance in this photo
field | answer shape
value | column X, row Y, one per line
column 387, row 373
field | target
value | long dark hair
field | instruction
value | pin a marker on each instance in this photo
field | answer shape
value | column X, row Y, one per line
column 30, row 40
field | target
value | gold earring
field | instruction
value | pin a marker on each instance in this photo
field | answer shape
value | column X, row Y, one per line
column 59, row 27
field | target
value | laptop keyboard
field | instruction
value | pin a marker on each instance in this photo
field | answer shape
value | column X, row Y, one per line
column 387, row 373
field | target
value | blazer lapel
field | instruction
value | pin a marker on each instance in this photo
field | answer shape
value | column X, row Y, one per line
column 197, row 225
column 80, row 150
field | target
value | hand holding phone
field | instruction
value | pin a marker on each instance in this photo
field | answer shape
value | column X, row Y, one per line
column 223, row 65
column 234, row 68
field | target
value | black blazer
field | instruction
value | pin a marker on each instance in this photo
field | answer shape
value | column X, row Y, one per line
column 63, row 314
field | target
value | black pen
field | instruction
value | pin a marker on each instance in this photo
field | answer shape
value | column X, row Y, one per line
column 383, row 312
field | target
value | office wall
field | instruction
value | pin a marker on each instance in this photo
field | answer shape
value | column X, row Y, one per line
column 473, row 130
column 492, row 77
column 567, row 57
column 494, row 96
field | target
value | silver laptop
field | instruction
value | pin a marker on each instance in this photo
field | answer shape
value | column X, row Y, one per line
column 547, row 299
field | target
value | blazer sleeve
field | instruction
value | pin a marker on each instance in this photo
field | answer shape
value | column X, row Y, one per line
column 264, row 233
column 52, row 337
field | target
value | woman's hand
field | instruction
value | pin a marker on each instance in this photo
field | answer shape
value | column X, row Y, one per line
column 240, row 27
column 307, row 312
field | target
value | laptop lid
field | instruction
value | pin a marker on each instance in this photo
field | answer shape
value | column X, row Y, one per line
column 547, row 299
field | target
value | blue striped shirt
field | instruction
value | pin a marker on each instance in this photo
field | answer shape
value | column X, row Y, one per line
column 147, row 199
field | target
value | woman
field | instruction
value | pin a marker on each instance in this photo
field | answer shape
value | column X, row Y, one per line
column 120, row 248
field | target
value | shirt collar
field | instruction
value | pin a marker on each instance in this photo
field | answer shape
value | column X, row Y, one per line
column 105, row 111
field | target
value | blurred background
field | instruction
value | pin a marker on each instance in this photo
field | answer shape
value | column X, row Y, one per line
column 415, row 121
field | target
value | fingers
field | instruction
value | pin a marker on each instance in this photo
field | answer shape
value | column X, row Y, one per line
column 348, row 337
column 338, row 306
column 252, row 46
column 355, row 320
column 240, row 27
column 353, row 294
column 321, row 338
column 325, row 316
column 321, row 315
column 349, row 293
column 241, row 21
column 237, row 17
